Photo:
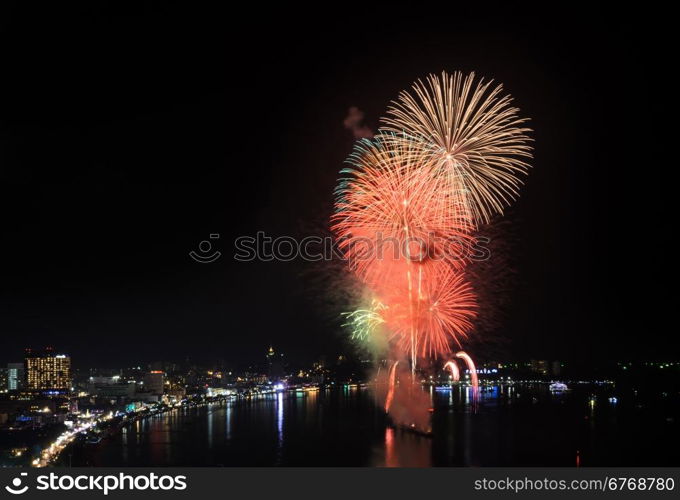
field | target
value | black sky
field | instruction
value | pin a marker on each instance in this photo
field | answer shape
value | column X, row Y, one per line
column 128, row 135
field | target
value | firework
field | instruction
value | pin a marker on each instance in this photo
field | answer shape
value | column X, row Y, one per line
column 429, row 312
column 421, row 312
column 449, row 157
column 455, row 373
column 471, row 368
column 391, row 376
column 471, row 133
column 391, row 207
column 364, row 323
column 404, row 235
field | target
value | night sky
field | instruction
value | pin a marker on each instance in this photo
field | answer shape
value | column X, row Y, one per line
column 127, row 136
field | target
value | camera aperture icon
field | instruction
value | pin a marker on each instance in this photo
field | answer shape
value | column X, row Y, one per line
column 16, row 488
column 203, row 255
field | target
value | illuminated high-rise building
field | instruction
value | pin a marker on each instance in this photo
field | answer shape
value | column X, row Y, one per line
column 47, row 371
column 15, row 376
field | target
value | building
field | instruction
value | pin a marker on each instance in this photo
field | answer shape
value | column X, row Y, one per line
column 47, row 371
column 27, row 406
column 556, row 368
column 15, row 376
column 154, row 382
column 539, row 366
column 113, row 391
column 111, row 387
column 274, row 365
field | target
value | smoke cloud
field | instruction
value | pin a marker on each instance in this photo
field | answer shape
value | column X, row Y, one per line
column 355, row 123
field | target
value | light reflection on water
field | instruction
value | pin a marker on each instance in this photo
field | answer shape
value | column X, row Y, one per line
column 227, row 417
column 503, row 425
column 279, row 427
column 404, row 449
column 211, row 417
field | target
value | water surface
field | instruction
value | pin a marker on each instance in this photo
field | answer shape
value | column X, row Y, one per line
column 510, row 425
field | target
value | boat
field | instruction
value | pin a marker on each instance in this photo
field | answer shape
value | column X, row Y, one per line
column 558, row 387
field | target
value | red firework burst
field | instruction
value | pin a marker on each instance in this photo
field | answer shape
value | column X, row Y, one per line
column 427, row 308
column 390, row 208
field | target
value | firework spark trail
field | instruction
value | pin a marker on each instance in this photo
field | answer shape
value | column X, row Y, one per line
column 471, row 368
column 455, row 373
column 391, row 379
